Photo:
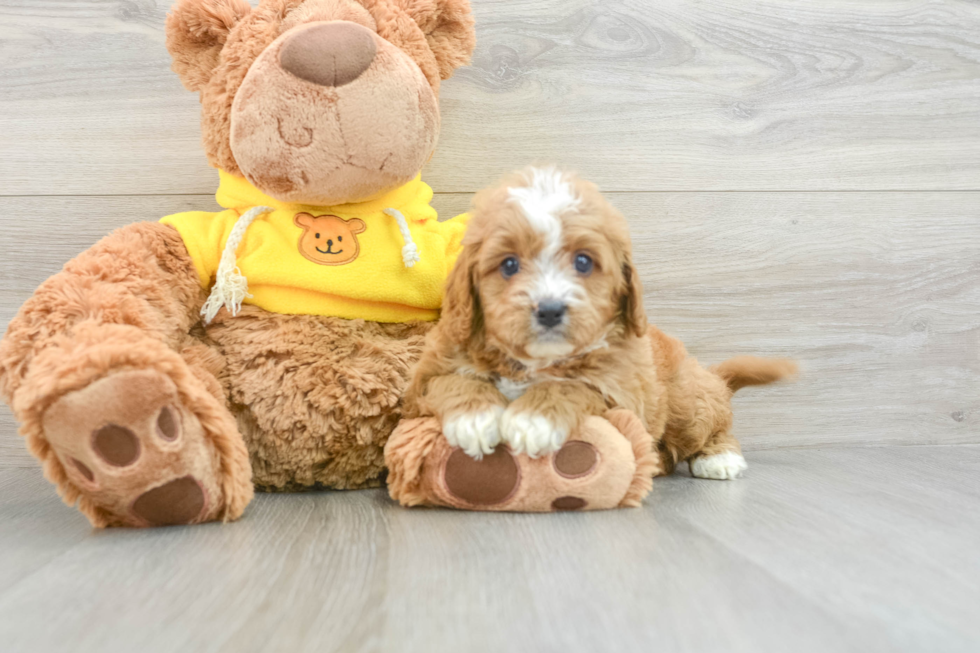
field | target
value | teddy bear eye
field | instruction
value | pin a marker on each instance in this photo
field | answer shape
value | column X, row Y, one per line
column 340, row 239
column 318, row 235
column 510, row 267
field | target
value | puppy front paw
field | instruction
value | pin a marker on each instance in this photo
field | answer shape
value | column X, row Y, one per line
column 476, row 433
column 726, row 466
column 532, row 433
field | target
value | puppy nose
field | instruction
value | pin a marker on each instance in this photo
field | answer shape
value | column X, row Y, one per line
column 329, row 54
column 550, row 313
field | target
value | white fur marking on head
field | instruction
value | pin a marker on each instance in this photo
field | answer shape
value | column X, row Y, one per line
column 548, row 195
column 721, row 466
column 554, row 281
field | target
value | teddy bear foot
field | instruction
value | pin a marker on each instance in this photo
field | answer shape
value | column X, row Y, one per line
column 607, row 463
column 138, row 456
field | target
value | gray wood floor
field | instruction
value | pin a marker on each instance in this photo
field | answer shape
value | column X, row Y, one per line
column 822, row 549
column 803, row 179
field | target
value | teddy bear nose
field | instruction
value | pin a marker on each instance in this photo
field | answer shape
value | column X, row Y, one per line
column 329, row 54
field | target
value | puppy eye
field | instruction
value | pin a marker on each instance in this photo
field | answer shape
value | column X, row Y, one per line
column 510, row 267
column 318, row 235
column 583, row 263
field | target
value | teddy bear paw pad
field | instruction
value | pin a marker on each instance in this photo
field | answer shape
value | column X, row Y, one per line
column 486, row 482
column 179, row 501
column 129, row 446
column 576, row 459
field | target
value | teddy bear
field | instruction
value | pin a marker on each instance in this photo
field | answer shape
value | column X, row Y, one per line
column 177, row 365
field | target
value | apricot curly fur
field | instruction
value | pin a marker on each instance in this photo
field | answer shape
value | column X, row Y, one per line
column 613, row 358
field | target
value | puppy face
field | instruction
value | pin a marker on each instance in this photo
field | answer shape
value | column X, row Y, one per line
column 546, row 270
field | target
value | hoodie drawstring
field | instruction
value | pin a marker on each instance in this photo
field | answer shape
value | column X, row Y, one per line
column 230, row 286
column 410, row 252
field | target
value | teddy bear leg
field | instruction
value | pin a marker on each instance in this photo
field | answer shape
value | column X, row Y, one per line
column 114, row 398
column 609, row 462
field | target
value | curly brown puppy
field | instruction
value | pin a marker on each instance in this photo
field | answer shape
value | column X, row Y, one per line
column 543, row 324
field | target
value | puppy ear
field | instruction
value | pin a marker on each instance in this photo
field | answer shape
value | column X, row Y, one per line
column 632, row 300
column 459, row 306
column 448, row 29
column 196, row 32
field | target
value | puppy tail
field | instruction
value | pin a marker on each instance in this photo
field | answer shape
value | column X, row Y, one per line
column 741, row 371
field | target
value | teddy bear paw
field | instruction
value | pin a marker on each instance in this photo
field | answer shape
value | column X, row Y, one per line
column 131, row 448
column 594, row 470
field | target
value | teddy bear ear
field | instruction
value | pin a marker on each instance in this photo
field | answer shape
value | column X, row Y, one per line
column 303, row 220
column 448, row 28
column 196, row 32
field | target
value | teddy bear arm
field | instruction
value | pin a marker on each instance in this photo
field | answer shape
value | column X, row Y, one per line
column 140, row 275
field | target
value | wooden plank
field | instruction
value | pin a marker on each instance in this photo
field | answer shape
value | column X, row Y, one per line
column 836, row 549
column 875, row 293
column 713, row 95
column 36, row 526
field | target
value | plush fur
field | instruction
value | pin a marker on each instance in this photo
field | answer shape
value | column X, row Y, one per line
column 496, row 371
column 215, row 44
column 284, row 402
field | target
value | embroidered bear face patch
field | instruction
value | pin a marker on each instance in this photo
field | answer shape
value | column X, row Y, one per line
column 329, row 239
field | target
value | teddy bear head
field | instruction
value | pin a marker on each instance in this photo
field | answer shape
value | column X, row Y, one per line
column 319, row 102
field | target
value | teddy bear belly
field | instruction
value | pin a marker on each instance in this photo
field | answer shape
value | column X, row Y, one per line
column 315, row 398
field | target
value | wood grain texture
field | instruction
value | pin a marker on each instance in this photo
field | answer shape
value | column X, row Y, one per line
column 833, row 549
column 841, row 538
column 875, row 293
column 639, row 95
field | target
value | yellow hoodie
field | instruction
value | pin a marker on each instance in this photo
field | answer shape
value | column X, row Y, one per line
column 384, row 260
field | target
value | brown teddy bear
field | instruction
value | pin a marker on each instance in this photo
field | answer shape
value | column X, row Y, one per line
column 319, row 115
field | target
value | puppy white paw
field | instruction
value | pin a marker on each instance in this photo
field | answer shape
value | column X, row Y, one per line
column 725, row 466
column 475, row 433
column 531, row 433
